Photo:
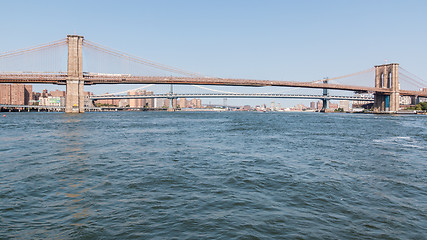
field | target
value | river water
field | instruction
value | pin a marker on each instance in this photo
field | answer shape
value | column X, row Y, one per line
column 207, row 175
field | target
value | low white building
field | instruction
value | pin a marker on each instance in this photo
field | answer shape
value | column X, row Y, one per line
column 52, row 101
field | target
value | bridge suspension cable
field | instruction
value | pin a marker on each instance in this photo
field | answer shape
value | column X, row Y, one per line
column 39, row 47
column 346, row 76
column 369, row 70
column 47, row 58
column 411, row 78
column 139, row 60
column 213, row 90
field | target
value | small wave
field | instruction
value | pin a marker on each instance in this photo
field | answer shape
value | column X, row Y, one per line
column 403, row 141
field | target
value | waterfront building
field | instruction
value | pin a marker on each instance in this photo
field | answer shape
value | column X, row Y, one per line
column 52, row 101
column 272, row 106
column 319, row 105
column 344, row 105
column 133, row 102
column 313, row 105
column 333, row 106
column 159, row 102
column 57, row 93
column 15, row 94
column 44, row 93
column 183, row 103
column 141, row 102
column 405, row 100
column 246, row 108
column 299, row 107
column 123, row 103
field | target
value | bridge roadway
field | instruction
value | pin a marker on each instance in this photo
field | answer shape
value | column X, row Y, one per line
column 95, row 78
column 231, row 95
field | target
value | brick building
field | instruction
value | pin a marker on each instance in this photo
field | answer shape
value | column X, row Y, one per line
column 15, row 94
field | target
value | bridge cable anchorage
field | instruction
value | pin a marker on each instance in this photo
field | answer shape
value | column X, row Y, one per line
column 39, row 47
column 139, row 60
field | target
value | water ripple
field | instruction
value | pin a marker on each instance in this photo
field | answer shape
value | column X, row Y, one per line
column 157, row 175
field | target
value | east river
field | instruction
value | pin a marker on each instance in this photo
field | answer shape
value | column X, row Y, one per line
column 207, row 175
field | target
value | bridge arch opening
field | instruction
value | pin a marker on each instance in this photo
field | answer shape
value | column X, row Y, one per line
column 382, row 80
column 389, row 80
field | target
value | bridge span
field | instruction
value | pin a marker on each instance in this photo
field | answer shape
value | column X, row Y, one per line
column 99, row 78
column 232, row 95
column 386, row 91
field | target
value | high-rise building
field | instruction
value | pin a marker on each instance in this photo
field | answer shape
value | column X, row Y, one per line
column 319, row 105
column 123, row 102
column 182, row 102
column 313, row 105
column 141, row 102
column 133, row 102
column 45, row 93
column 195, row 103
column 105, row 102
column 15, row 94
column 159, row 102
column 333, row 106
column 166, row 102
column 345, row 105
column 4, row 93
column 57, row 93
column 28, row 94
column 174, row 102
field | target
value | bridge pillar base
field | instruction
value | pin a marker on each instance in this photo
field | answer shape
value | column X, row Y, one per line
column 325, row 105
column 74, row 102
column 172, row 105
column 386, row 103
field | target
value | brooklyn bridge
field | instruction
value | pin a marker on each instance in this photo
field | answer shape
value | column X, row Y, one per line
column 386, row 84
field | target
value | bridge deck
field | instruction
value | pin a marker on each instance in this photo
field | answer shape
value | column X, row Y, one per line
column 235, row 95
column 91, row 79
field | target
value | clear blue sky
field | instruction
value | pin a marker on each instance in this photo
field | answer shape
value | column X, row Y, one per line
column 260, row 39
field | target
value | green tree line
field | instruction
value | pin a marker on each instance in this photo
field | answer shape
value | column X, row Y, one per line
column 420, row 106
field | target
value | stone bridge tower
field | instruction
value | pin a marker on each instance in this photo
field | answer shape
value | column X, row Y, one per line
column 387, row 76
column 75, row 84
